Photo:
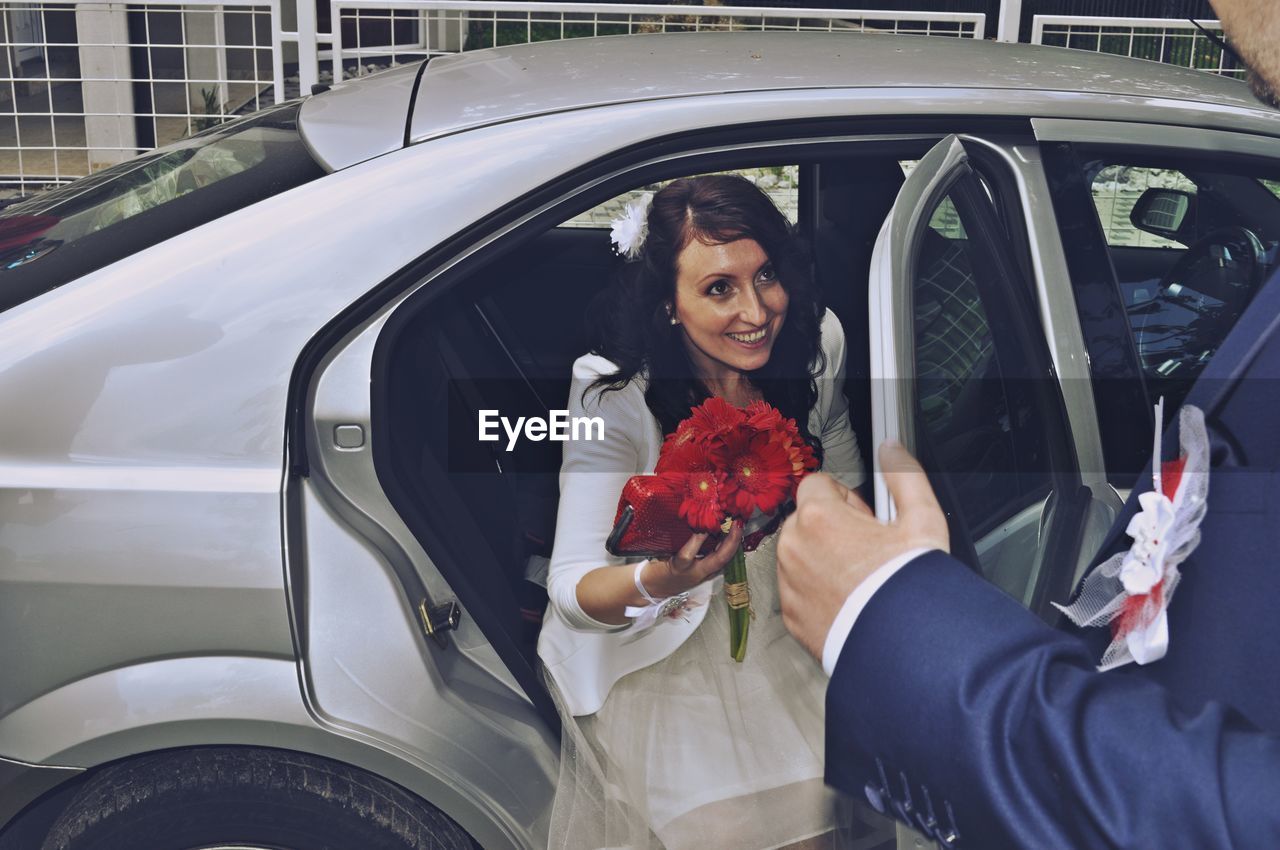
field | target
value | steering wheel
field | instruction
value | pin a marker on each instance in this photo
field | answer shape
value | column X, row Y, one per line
column 1226, row 265
column 1197, row 302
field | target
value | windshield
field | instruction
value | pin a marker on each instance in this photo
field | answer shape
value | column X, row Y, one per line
column 60, row 235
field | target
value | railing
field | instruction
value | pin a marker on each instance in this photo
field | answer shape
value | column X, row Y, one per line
column 84, row 85
column 87, row 84
column 1170, row 41
column 395, row 31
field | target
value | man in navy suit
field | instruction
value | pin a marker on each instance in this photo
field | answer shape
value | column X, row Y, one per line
column 955, row 709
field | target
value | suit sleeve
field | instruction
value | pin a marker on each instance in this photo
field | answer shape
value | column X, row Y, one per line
column 955, row 708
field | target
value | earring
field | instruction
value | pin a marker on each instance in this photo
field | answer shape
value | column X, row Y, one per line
column 671, row 314
column 674, row 320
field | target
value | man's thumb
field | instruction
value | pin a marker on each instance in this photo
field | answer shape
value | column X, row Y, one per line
column 906, row 481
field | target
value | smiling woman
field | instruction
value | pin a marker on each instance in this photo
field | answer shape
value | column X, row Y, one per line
column 731, row 306
column 719, row 259
column 679, row 743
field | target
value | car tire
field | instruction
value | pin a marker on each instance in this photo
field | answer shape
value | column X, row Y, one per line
column 247, row 798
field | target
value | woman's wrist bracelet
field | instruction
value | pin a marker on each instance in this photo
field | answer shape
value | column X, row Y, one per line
column 638, row 577
column 649, row 614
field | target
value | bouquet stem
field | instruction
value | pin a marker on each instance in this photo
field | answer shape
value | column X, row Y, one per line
column 738, row 595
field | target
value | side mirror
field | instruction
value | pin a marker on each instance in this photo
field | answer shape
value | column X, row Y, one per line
column 1162, row 212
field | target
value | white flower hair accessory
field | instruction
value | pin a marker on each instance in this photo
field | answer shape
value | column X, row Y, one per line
column 630, row 229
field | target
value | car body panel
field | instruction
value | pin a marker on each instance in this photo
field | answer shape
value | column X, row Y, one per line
column 370, row 673
column 163, row 337
column 174, row 700
column 460, row 707
column 352, row 122
column 501, row 84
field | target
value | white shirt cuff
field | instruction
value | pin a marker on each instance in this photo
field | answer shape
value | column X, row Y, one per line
column 855, row 602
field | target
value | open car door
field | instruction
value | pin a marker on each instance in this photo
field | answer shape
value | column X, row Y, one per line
column 963, row 378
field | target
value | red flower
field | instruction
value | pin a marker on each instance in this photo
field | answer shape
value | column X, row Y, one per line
column 723, row 461
column 764, row 416
column 760, row 473
column 702, row 507
column 801, row 454
column 683, row 451
column 715, row 419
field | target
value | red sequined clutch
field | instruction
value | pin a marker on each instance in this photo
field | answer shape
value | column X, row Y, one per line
column 648, row 523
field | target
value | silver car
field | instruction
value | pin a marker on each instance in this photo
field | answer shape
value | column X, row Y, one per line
column 261, row 584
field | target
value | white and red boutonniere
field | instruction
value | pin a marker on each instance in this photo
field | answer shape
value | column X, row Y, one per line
column 1131, row 591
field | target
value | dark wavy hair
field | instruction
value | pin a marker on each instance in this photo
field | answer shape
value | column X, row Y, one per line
column 629, row 322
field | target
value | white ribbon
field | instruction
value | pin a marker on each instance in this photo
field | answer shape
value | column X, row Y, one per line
column 1150, row 643
column 646, row 616
column 1164, row 533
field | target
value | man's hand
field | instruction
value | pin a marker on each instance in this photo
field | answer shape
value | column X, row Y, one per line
column 833, row 542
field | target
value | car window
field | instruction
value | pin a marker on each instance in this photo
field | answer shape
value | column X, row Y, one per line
column 953, row 337
column 1165, row 250
column 1182, row 291
column 64, row 233
column 975, row 416
column 780, row 182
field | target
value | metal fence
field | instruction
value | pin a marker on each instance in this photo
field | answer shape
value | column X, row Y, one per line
column 84, row 85
column 370, row 34
column 1171, row 41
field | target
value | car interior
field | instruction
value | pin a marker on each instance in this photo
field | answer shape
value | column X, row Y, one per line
column 1187, row 242
column 504, row 335
column 505, row 338
column 1205, row 241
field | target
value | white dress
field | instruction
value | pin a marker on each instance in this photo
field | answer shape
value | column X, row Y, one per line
column 692, row 749
column 700, row 751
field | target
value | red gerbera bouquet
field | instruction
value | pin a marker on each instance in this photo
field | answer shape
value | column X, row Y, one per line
column 724, row 464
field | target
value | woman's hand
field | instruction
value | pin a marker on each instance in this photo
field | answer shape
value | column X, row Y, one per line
column 685, row 570
column 604, row 594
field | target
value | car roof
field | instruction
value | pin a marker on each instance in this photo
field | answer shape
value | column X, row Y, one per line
column 477, row 88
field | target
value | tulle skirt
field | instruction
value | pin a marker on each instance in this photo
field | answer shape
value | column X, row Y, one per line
column 700, row 751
